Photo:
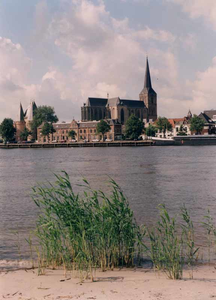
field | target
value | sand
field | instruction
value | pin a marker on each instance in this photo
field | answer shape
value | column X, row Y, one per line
column 125, row 284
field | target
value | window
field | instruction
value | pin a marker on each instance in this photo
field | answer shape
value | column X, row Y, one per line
column 177, row 129
column 95, row 130
column 81, row 137
column 84, row 131
column 80, row 130
column 62, row 131
column 90, row 130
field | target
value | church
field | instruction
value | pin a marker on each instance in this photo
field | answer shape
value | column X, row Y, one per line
column 121, row 109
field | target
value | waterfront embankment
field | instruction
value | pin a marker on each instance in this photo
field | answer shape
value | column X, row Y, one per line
column 80, row 144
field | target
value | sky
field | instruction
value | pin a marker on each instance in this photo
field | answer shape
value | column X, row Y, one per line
column 60, row 52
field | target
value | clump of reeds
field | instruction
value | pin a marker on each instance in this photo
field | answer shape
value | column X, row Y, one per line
column 190, row 251
column 165, row 245
column 210, row 228
column 172, row 243
column 84, row 232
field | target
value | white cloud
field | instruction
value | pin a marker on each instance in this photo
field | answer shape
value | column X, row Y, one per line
column 109, row 56
column 204, row 89
column 106, row 55
column 199, row 8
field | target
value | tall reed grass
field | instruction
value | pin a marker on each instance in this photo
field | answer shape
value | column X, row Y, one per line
column 85, row 232
column 93, row 230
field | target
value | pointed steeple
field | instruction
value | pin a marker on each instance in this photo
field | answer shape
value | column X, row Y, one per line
column 21, row 113
column 147, row 80
column 189, row 115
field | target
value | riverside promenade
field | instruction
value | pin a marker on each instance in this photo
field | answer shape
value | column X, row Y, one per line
column 80, row 144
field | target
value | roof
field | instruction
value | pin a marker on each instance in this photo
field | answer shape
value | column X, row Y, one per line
column 210, row 113
column 21, row 113
column 114, row 102
column 62, row 125
column 96, row 101
column 29, row 114
column 132, row 103
column 176, row 120
column 147, row 80
column 205, row 118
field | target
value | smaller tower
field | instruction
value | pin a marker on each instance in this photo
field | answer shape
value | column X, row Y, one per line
column 148, row 95
column 189, row 115
column 20, row 123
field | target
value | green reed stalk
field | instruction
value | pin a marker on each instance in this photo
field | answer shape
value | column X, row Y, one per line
column 188, row 239
column 165, row 245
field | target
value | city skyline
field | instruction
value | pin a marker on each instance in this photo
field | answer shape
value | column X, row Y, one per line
column 59, row 53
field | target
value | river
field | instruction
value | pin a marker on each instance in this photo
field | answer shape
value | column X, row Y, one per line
column 148, row 176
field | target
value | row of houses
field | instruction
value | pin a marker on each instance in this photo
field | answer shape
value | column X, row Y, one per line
column 182, row 125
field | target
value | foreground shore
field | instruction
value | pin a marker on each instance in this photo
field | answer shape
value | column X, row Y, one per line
column 126, row 284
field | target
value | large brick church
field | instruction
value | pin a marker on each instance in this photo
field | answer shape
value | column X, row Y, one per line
column 120, row 109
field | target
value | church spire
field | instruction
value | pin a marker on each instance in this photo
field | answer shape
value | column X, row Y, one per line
column 21, row 113
column 147, row 81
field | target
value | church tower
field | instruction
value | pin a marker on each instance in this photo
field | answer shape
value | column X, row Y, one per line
column 148, row 95
column 20, row 124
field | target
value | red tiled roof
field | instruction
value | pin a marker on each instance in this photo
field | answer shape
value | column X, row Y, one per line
column 174, row 121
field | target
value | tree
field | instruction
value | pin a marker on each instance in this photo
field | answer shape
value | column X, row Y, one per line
column 151, row 130
column 43, row 114
column 103, row 127
column 164, row 125
column 182, row 130
column 72, row 134
column 24, row 134
column 196, row 124
column 133, row 127
column 47, row 129
column 7, row 130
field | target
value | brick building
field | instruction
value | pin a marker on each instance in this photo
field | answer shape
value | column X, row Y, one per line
column 84, row 131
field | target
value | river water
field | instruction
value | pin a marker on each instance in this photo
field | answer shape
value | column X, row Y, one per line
column 148, row 176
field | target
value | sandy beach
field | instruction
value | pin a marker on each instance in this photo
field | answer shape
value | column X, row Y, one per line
column 126, row 284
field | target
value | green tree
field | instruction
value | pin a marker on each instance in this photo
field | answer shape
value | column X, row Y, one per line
column 103, row 127
column 196, row 124
column 151, row 130
column 163, row 125
column 7, row 130
column 47, row 129
column 72, row 134
column 182, row 130
column 43, row 114
column 24, row 134
column 133, row 127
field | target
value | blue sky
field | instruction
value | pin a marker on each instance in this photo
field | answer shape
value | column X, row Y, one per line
column 59, row 52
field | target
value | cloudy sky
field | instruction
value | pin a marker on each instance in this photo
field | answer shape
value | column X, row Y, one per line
column 59, row 52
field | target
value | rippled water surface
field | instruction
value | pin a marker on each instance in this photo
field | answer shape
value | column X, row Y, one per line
column 148, row 175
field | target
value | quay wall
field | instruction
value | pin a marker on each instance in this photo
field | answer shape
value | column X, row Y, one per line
column 77, row 145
